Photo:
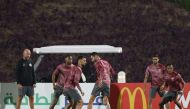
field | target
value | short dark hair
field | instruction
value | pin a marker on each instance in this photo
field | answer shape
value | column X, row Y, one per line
column 169, row 64
column 68, row 55
column 94, row 54
column 155, row 55
column 80, row 57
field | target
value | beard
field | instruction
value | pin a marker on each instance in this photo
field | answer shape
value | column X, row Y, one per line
column 69, row 63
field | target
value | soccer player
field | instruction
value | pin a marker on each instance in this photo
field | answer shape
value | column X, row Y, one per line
column 59, row 84
column 175, row 84
column 72, row 79
column 78, row 73
column 25, row 79
column 156, row 72
column 104, row 72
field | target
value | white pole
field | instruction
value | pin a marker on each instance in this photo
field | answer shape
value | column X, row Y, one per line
column 37, row 63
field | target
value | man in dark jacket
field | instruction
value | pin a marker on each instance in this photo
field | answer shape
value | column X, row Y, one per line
column 25, row 79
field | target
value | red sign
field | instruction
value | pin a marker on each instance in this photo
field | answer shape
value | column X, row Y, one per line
column 132, row 96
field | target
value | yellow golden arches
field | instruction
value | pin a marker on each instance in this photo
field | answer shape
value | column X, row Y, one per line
column 131, row 97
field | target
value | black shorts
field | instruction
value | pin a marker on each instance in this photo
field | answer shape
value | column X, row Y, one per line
column 72, row 94
column 154, row 90
column 58, row 91
column 105, row 90
column 26, row 90
column 170, row 96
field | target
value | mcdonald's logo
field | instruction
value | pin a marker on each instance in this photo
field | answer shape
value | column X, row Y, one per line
column 132, row 97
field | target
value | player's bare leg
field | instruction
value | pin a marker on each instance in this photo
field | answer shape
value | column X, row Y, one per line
column 55, row 100
column 79, row 104
column 106, row 102
column 19, row 100
column 108, row 106
column 178, row 104
column 69, row 105
column 92, row 98
column 31, row 102
column 167, row 105
column 150, row 103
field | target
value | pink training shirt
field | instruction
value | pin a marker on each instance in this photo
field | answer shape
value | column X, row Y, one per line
column 156, row 72
column 72, row 77
column 69, row 75
column 104, row 71
column 174, row 81
column 59, row 71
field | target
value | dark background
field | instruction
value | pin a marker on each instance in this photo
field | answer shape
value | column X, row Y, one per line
column 140, row 27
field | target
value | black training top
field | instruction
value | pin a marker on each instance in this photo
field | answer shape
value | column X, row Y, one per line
column 25, row 72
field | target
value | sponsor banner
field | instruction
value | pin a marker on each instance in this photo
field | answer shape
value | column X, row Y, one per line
column 43, row 97
column 132, row 96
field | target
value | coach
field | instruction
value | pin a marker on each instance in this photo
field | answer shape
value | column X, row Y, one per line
column 25, row 79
